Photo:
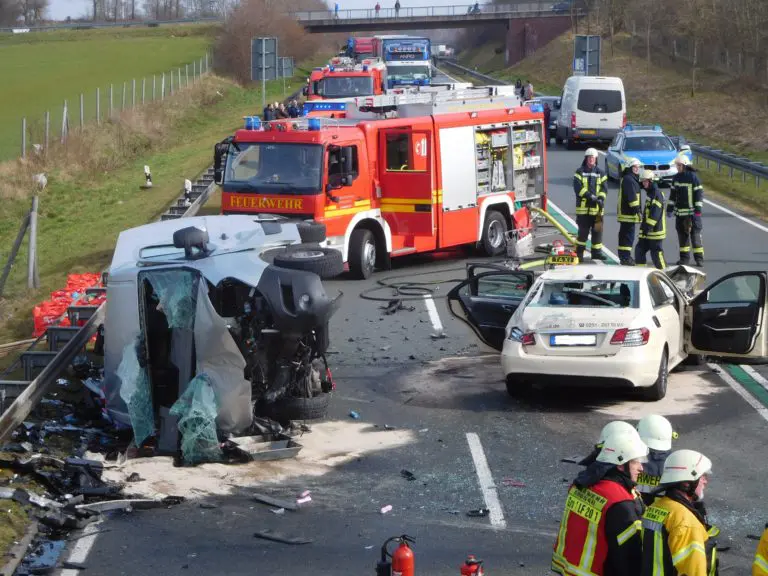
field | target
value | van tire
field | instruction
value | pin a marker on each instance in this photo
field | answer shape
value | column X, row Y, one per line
column 325, row 262
column 494, row 233
column 311, row 232
column 362, row 253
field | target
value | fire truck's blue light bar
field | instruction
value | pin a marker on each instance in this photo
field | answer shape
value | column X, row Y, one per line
column 536, row 107
column 330, row 106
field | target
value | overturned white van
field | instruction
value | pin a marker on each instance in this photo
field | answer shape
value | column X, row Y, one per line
column 233, row 302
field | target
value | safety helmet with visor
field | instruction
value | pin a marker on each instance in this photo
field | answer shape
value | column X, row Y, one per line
column 632, row 162
column 623, row 447
column 614, row 427
column 591, row 152
column 656, row 431
column 685, row 466
column 647, row 175
column 683, row 160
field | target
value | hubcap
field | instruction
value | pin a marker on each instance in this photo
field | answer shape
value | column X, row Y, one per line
column 495, row 234
column 369, row 255
column 308, row 254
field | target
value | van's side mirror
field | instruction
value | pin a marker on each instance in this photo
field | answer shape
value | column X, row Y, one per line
column 558, row 103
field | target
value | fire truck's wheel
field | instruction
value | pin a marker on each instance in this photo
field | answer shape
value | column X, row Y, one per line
column 362, row 253
column 311, row 232
column 325, row 262
column 494, row 232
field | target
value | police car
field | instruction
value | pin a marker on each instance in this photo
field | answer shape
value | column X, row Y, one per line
column 650, row 145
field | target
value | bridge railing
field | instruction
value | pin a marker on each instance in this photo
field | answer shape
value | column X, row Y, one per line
column 542, row 6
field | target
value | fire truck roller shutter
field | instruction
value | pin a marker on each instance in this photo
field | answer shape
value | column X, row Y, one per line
column 325, row 262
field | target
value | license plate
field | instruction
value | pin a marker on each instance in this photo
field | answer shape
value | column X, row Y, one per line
column 590, row 132
column 565, row 259
column 572, row 340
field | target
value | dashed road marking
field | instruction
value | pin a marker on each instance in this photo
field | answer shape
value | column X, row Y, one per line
column 434, row 317
column 82, row 549
column 487, row 485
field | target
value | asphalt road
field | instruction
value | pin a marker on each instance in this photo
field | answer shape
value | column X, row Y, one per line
column 448, row 395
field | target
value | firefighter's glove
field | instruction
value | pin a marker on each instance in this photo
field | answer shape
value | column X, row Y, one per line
column 592, row 198
column 600, row 202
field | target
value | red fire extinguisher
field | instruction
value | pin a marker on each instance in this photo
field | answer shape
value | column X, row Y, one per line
column 472, row 567
column 402, row 563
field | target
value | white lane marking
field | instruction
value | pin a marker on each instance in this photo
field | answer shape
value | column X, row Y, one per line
column 573, row 223
column 487, row 486
column 726, row 210
column 82, row 549
column 731, row 381
column 756, row 376
column 434, row 317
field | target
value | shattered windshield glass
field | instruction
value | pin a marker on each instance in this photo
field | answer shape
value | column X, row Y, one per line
column 587, row 294
column 275, row 168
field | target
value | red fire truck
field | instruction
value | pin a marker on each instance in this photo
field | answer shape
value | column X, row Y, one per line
column 343, row 78
column 403, row 173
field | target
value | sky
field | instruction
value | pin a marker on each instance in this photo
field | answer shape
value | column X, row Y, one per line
column 60, row 9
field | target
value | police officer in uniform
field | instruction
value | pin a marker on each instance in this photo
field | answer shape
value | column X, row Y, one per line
column 589, row 186
column 656, row 431
column 676, row 536
column 686, row 199
column 600, row 531
column 760, row 565
column 653, row 228
column 628, row 213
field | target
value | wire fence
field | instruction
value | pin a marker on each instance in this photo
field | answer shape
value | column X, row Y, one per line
column 105, row 104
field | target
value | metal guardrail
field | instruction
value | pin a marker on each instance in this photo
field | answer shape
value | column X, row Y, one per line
column 91, row 25
column 528, row 8
column 707, row 154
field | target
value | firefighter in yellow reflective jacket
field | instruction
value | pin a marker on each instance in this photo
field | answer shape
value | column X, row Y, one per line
column 628, row 212
column 653, row 228
column 676, row 537
column 686, row 199
column 760, row 565
column 589, row 186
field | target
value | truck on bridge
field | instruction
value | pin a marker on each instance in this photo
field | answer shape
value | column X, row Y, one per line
column 401, row 174
column 343, row 78
column 408, row 59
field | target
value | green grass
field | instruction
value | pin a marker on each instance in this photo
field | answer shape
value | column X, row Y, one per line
column 42, row 70
column 80, row 220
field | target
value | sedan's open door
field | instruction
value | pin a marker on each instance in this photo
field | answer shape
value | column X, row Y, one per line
column 487, row 299
column 728, row 318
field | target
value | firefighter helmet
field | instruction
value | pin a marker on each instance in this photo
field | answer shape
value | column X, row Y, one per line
column 683, row 159
column 685, row 466
column 647, row 175
column 622, row 447
column 591, row 152
column 617, row 426
column 633, row 162
column 656, row 431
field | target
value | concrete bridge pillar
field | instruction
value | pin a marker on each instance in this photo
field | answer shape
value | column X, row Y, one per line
column 526, row 35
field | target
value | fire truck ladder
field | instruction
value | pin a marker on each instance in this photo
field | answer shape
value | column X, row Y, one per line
column 437, row 99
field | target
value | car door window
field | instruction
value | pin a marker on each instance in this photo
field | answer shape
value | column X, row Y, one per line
column 659, row 296
column 736, row 289
column 502, row 285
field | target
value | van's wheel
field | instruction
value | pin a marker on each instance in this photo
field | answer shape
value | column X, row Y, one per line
column 362, row 253
column 494, row 233
column 292, row 408
column 311, row 232
column 325, row 262
column 659, row 388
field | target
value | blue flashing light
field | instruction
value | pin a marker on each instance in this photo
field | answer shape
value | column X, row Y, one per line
column 313, row 124
column 331, row 68
column 633, row 127
column 365, row 68
column 536, row 107
column 252, row 122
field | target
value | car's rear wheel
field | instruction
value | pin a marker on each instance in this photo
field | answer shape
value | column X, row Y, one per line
column 659, row 388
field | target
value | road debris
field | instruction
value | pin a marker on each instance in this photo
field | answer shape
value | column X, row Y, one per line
column 276, row 537
column 354, row 415
column 408, row 475
column 387, row 508
column 268, row 500
column 395, row 306
column 511, row 482
column 277, row 510
column 304, row 500
column 479, row 513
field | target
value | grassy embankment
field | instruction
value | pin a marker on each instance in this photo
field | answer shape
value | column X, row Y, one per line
column 725, row 113
column 42, row 70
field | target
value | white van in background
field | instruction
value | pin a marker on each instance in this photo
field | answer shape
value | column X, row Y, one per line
column 593, row 109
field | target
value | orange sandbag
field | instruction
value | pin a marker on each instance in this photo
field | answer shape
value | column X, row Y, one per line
column 48, row 314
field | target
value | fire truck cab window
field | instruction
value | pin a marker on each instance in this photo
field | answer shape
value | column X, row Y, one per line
column 342, row 161
column 398, row 148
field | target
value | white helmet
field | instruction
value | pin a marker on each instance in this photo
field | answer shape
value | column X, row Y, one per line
column 615, row 427
column 647, row 175
column 622, row 447
column 656, row 431
column 591, row 152
column 685, row 466
column 683, row 159
column 633, row 162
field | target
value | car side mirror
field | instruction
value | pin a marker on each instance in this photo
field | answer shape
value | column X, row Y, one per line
column 558, row 103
